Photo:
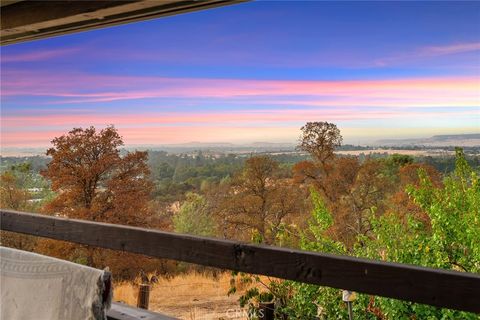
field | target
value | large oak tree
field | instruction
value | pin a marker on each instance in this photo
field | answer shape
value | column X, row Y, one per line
column 320, row 140
column 95, row 180
column 352, row 190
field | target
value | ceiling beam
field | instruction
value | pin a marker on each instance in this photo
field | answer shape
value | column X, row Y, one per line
column 30, row 20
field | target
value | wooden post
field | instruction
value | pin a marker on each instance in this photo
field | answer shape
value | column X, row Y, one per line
column 350, row 310
column 143, row 296
column 348, row 297
column 266, row 310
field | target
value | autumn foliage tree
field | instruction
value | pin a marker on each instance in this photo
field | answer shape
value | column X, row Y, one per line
column 400, row 202
column 11, row 195
column 451, row 241
column 320, row 140
column 258, row 201
column 14, row 195
column 352, row 190
column 94, row 181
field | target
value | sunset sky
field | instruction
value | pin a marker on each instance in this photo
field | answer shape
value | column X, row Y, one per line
column 251, row 72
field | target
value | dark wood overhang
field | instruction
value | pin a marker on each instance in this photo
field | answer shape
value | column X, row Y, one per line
column 25, row 20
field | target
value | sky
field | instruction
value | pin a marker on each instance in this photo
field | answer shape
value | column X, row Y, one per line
column 251, row 72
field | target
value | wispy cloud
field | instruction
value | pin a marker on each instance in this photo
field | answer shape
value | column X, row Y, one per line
column 429, row 52
column 450, row 49
column 92, row 89
column 246, row 105
column 254, row 117
column 38, row 55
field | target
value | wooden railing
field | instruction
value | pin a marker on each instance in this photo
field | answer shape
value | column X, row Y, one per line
column 440, row 288
column 120, row 311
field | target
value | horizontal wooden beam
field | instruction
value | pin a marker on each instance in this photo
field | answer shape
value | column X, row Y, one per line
column 120, row 311
column 441, row 288
column 30, row 19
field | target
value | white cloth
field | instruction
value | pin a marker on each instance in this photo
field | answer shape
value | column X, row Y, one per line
column 38, row 287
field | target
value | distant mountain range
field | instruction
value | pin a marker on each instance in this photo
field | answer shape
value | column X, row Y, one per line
column 223, row 146
column 459, row 140
column 447, row 140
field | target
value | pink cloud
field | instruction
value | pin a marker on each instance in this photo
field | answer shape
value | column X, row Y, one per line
column 160, row 135
column 252, row 118
column 347, row 100
column 157, row 129
column 84, row 88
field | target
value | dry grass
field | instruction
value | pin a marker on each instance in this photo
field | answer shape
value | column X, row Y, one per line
column 192, row 296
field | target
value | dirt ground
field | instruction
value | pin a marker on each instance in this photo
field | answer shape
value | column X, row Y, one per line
column 191, row 296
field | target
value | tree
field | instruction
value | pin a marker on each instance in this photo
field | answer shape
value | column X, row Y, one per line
column 401, row 203
column 258, row 202
column 364, row 198
column 14, row 195
column 451, row 241
column 320, row 139
column 194, row 217
column 352, row 191
column 93, row 181
column 334, row 181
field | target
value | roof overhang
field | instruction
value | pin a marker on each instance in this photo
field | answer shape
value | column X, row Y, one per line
column 26, row 20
